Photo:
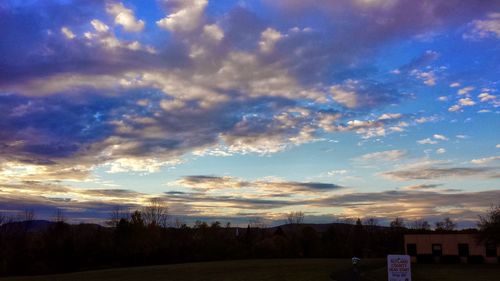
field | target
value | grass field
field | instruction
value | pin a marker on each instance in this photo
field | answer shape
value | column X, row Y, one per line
column 275, row 270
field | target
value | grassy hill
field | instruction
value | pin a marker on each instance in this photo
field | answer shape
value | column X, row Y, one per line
column 274, row 270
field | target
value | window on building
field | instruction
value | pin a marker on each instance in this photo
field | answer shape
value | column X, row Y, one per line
column 411, row 249
column 463, row 250
column 491, row 249
column 437, row 250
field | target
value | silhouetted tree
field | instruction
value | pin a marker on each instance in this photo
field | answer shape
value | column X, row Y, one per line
column 447, row 225
column 27, row 215
column 489, row 225
column 295, row 217
column 397, row 223
column 420, row 225
column 156, row 213
column 117, row 214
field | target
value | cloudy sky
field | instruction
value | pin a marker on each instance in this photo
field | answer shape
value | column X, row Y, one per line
column 233, row 110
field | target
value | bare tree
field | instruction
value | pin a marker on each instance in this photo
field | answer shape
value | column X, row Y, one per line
column 26, row 215
column 446, row 224
column 156, row 212
column 346, row 220
column 489, row 225
column 59, row 216
column 371, row 222
column 295, row 217
column 420, row 225
column 117, row 214
column 256, row 222
column 397, row 223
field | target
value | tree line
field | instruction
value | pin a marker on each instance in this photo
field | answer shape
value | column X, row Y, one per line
column 144, row 237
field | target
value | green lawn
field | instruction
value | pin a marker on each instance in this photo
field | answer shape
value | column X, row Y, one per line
column 275, row 270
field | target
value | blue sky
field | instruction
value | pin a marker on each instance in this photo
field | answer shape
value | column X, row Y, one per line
column 233, row 110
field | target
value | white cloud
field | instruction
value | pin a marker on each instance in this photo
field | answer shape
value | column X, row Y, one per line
column 388, row 155
column 213, row 32
column 440, row 137
column 337, row 172
column 498, row 145
column 389, row 116
column 125, row 17
column 426, row 141
column 422, row 120
column 454, row 85
column 443, row 98
column 462, row 136
column 345, row 96
column 428, row 77
column 67, row 32
column 99, row 26
column 268, row 39
column 484, row 97
column 186, row 16
column 465, row 90
column 146, row 165
column 454, row 108
column 466, row 102
column 489, row 27
column 485, row 160
column 440, row 150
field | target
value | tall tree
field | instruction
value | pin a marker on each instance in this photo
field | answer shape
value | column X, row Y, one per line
column 156, row 213
column 489, row 225
column 447, row 224
column 295, row 217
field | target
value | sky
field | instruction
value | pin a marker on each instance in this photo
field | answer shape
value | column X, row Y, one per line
column 245, row 111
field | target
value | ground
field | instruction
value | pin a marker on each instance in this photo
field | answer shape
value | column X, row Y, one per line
column 277, row 270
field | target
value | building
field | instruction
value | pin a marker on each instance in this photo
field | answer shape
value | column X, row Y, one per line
column 450, row 248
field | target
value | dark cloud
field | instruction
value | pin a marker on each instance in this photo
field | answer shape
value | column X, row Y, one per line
column 206, row 183
column 426, row 187
column 426, row 173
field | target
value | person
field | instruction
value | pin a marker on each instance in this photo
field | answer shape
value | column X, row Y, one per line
column 355, row 260
column 355, row 276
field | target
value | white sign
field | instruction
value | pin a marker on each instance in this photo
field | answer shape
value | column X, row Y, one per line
column 399, row 268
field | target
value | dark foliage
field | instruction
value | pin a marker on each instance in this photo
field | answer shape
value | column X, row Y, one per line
column 40, row 247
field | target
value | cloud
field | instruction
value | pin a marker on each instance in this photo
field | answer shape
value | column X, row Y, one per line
column 414, row 203
column 67, row 32
column 428, row 172
column 426, row 119
column 99, row 26
column 454, row 108
column 466, row 102
column 388, row 155
column 440, row 150
column 186, row 16
column 210, row 183
column 486, row 160
column 124, row 17
column 358, row 94
column 465, row 90
column 489, row 27
column 422, row 187
column 337, row 172
column 484, row 97
column 102, row 99
column 269, row 37
column 214, row 32
column 440, row 137
column 426, row 141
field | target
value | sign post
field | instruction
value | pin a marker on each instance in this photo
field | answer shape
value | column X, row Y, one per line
column 398, row 268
